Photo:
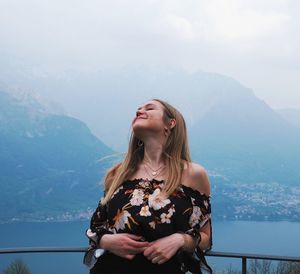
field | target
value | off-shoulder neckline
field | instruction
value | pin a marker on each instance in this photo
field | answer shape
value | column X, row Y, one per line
column 162, row 180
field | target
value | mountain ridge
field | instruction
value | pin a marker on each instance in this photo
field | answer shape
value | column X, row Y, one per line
column 292, row 115
column 48, row 162
column 243, row 143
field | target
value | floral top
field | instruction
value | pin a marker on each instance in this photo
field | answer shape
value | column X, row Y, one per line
column 137, row 208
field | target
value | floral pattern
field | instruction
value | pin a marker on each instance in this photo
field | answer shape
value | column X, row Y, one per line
column 155, row 201
column 145, row 211
column 121, row 219
column 137, row 197
column 138, row 207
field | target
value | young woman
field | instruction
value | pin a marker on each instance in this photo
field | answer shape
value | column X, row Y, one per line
column 156, row 210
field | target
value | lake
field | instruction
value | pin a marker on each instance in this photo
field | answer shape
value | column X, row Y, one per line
column 271, row 238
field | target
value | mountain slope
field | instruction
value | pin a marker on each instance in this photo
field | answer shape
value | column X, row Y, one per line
column 251, row 153
column 49, row 163
column 247, row 141
column 292, row 115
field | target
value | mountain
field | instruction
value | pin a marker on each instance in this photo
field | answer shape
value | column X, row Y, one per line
column 292, row 115
column 49, row 163
column 251, row 152
column 232, row 132
column 106, row 99
column 243, row 139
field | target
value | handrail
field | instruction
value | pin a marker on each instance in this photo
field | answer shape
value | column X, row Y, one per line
column 42, row 250
column 243, row 256
column 252, row 256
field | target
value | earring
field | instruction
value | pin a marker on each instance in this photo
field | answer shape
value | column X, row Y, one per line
column 166, row 131
column 140, row 143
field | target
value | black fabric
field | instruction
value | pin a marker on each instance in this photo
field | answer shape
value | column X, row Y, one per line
column 137, row 208
column 113, row 264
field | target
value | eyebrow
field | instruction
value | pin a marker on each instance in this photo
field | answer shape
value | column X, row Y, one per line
column 147, row 105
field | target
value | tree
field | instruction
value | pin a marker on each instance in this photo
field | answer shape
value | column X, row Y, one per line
column 17, row 267
column 266, row 267
column 261, row 267
column 288, row 268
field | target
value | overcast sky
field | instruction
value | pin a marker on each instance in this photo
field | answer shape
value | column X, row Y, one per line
column 257, row 42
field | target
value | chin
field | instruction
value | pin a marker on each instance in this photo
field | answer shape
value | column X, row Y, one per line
column 138, row 131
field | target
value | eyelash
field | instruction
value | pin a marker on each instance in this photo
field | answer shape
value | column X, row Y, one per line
column 147, row 109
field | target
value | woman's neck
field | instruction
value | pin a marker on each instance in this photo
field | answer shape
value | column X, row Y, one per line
column 153, row 154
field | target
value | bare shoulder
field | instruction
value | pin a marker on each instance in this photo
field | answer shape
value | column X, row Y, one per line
column 197, row 178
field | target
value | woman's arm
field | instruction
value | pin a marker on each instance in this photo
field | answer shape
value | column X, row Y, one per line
column 199, row 181
column 122, row 244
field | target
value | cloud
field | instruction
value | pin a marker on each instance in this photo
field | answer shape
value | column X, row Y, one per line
column 239, row 20
column 74, row 27
column 181, row 28
column 239, row 38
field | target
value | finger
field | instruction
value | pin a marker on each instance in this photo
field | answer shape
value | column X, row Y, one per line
column 161, row 261
column 148, row 251
column 129, row 256
column 134, row 250
column 155, row 260
column 137, row 244
column 134, row 237
column 136, row 247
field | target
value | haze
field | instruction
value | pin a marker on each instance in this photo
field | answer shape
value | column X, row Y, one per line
column 255, row 42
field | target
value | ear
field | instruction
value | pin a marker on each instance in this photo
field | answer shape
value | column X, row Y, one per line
column 172, row 123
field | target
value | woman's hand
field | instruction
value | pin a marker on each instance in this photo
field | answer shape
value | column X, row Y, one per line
column 162, row 250
column 123, row 244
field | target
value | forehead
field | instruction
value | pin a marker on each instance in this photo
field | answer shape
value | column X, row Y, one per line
column 152, row 103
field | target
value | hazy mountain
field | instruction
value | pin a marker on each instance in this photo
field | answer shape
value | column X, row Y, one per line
column 232, row 132
column 246, row 141
column 229, row 127
column 49, row 163
column 236, row 136
column 106, row 100
column 292, row 115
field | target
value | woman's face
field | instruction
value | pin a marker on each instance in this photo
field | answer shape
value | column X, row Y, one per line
column 149, row 117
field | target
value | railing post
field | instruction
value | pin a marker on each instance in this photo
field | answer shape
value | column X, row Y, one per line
column 244, row 265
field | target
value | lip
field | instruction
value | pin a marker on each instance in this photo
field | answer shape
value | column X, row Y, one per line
column 139, row 117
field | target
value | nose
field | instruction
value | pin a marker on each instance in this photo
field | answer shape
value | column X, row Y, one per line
column 139, row 112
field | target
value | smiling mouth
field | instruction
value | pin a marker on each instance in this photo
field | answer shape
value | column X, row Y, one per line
column 139, row 117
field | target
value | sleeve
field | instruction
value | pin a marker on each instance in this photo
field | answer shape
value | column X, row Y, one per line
column 201, row 215
column 98, row 225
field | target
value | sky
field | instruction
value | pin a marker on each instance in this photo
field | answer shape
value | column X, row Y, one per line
column 256, row 42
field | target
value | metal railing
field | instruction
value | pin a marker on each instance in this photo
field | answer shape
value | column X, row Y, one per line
column 243, row 256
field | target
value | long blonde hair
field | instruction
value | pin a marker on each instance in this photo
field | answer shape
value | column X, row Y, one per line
column 176, row 152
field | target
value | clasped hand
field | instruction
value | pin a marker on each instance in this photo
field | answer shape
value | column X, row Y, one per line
column 163, row 249
column 123, row 244
column 128, row 245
